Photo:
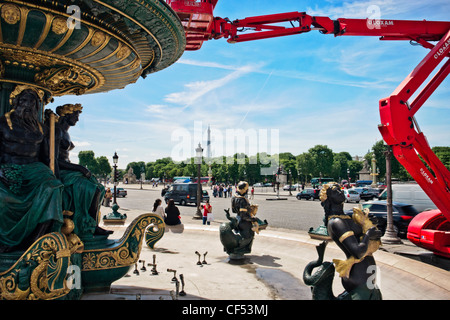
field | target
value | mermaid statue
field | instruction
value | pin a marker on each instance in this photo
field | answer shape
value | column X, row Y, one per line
column 237, row 235
column 358, row 238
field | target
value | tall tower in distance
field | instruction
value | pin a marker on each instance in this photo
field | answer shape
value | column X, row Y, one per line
column 208, row 144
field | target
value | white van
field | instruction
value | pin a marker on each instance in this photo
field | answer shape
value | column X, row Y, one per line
column 410, row 193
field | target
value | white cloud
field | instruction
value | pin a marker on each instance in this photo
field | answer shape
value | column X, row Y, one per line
column 81, row 143
column 197, row 89
column 206, row 64
column 387, row 8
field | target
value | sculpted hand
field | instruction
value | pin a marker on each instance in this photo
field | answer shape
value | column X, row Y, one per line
column 86, row 172
column 373, row 233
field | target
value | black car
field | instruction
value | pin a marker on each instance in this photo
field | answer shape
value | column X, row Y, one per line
column 185, row 193
column 366, row 193
column 402, row 215
column 308, row 194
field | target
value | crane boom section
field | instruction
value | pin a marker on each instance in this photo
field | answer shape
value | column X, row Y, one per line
column 268, row 26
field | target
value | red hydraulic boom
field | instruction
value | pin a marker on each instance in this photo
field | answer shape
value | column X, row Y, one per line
column 398, row 125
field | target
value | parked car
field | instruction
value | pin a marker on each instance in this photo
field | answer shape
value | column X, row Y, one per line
column 120, row 192
column 308, row 193
column 367, row 193
column 402, row 215
column 259, row 184
column 205, row 195
column 297, row 186
column 351, row 195
column 184, row 193
column 410, row 193
column 289, row 187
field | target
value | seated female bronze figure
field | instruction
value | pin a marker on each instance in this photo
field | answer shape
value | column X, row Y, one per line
column 82, row 194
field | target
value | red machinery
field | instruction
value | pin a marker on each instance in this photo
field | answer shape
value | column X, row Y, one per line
column 398, row 125
column 197, row 19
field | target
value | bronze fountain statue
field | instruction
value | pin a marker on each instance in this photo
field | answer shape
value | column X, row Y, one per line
column 237, row 235
column 30, row 194
column 358, row 238
column 82, row 192
column 49, row 208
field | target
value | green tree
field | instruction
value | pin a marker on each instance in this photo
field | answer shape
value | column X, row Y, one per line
column 138, row 168
column 305, row 165
column 340, row 165
column 443, row 153
column 87, row 159
column 354, row 166
column 104, row 168
column 322, row 157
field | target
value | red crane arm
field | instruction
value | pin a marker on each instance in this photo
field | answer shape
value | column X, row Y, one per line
column 400, row 130
column 267, row 26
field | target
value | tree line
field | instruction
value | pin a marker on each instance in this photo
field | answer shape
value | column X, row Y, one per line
column 318, row 161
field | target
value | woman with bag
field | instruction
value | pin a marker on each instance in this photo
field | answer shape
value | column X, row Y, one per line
column 172, row 214
column 207, row 213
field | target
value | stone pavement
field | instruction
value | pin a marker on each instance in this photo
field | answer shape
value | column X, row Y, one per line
column 273, row 271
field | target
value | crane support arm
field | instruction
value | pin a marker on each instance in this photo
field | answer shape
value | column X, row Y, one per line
column 268, row 26
column 400, row 130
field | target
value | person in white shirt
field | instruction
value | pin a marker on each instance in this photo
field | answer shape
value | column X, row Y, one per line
column 158, row 209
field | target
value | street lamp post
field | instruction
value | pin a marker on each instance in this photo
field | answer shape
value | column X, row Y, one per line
column 115, row 161
column 199, row 155
column 115, row 216
column 348, row 178
column 374, row 173
column 390, row 236
column 290, row 182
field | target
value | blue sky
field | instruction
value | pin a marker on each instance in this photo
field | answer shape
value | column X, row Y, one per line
column 301, row 90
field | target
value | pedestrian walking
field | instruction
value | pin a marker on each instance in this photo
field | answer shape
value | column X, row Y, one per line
column 207, row 213
column 108, row 196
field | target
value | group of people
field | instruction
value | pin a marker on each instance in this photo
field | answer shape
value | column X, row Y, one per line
column 221, row 190
column 171, row 214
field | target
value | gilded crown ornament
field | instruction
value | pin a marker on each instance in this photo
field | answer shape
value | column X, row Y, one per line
column 68, row 109
column 20, row 88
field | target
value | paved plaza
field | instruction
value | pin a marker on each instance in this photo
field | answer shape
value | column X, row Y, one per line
column 273, row 271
